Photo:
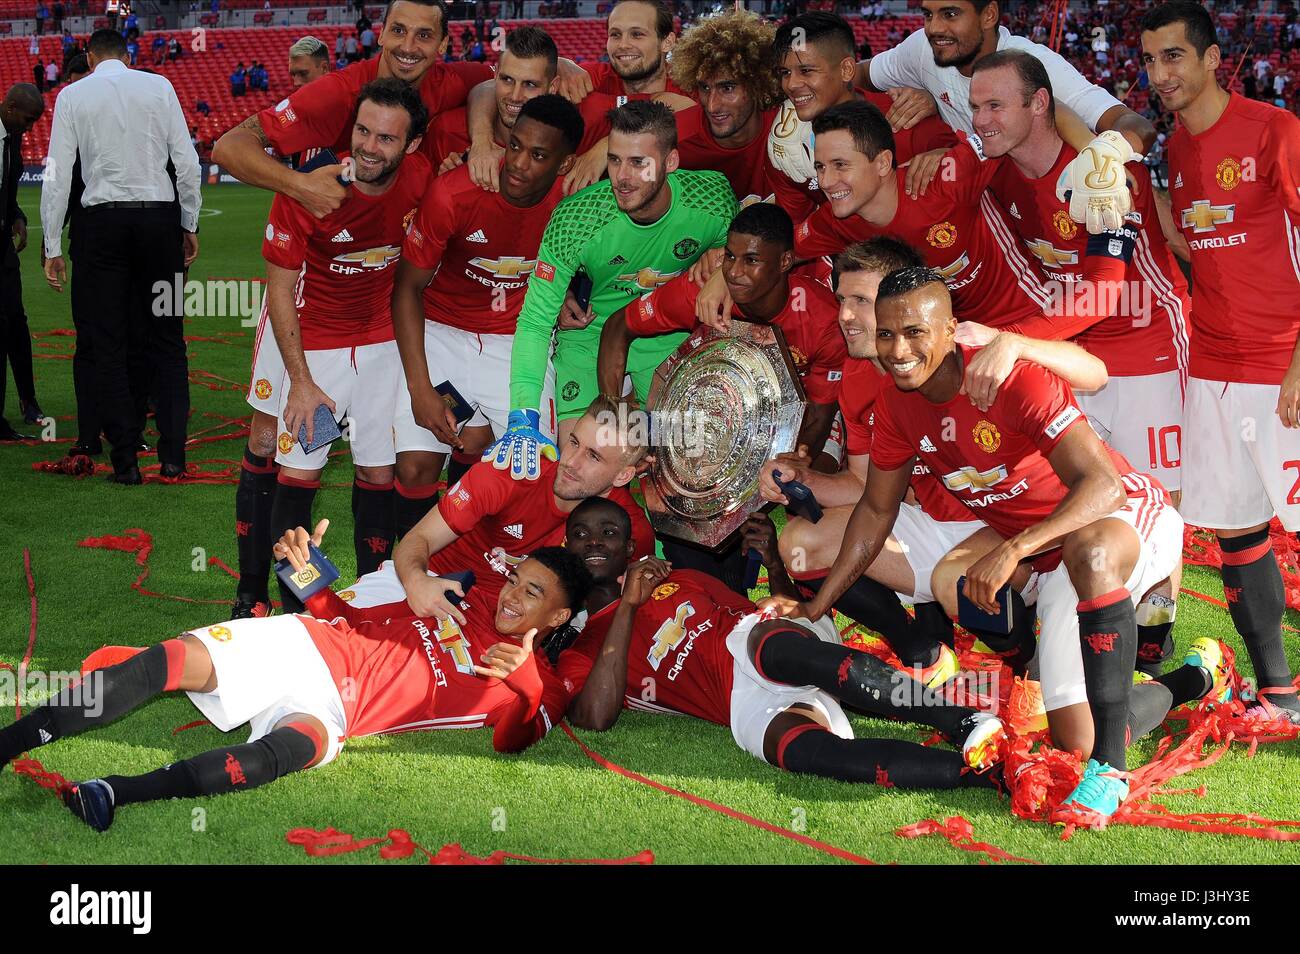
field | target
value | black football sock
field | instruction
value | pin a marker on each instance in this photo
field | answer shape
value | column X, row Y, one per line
column 860, row 680
column 877, row 607
column 457, row 464
column 1252, row 585
column 1155, row 616
column 813, row 750
column 1108, row 643
column 372, row 524
column 1185, row 684
column 253, row 499
column 292, row 508
column 930, row 622
column 1148, row 704
column 410, row 504
column 99, row 698
column 244, row 766
column 1016, row 647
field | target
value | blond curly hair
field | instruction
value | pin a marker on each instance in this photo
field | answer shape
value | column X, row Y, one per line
column 737, row 44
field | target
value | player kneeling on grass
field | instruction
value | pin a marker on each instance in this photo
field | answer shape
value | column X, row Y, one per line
column 286, row 677
column 678, row 641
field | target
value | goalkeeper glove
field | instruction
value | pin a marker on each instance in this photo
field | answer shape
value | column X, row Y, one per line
column 519, row 446
column 1094, row 183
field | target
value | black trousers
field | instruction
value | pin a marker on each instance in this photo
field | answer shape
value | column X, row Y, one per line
column 121, row 254
column 15, row 337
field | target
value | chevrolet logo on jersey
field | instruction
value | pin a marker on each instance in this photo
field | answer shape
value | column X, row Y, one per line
column 968, row 478
column 453, row 642
column 507, row 266
column 1204, row 217
column 953, row 269
column 1050, row 255
column 380, row 257
column 669, row 635
column 648, row 279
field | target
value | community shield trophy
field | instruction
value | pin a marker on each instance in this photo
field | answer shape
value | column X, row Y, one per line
column 721, row 405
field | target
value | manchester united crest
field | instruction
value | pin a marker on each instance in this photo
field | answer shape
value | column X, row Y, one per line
column 347, row 596
column 1228, row 173
column 1065, row 226
column 664, row 591
column 987, row 437
column 262, row 389
column 286, row 442
column 942, row 235
column 220, row 633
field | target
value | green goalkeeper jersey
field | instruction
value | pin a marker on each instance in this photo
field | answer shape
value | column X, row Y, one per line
column 589, row 233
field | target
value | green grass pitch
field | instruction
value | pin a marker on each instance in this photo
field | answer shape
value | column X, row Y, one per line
column 447, row 786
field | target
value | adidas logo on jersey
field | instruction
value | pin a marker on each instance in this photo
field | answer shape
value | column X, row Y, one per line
column 344, row 236
column 927, row 445
column 618, row 260
column 516, row 530
column 477, row 236
column 1015, row 213
column 1178, row 181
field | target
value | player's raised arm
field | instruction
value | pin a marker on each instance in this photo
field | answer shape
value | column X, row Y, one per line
column 425, row 593
column 993, row 363
column 242, row 152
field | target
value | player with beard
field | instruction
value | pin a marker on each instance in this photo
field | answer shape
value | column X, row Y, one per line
column 305, row 685
column 639, row 35
column 457, row 292
column 411, row 45
column 1100, row 534
column 647, row 224
column 677, row 642
column 940, row 59
column 931, row 525
column 1234, row 169
column 329, row 282
column 487, row 521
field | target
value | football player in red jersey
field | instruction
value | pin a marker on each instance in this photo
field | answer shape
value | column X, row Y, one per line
column 1050, row 488
column 457, row 292
column 306, row 684
column 932, row 528
column 756, row 267
column 411, row 45
column 677, row 641
column 1234, row 170
column 1141, row 334
column 640, row 34
column 326, row 339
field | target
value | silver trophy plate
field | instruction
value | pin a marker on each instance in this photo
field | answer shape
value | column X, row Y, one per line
column 721, row 405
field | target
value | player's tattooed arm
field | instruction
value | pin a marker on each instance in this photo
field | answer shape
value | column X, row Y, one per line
column 598, row 705
column 611, row 364
column 304, row 394
column 242, row 152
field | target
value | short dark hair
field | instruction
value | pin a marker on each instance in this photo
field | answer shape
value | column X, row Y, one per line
column 1196, row 21
column 769, row 222
column 906, row 280
column 397, row 95
column 883, row 254
column 664, row 21
column 442, row 8
column 530, row 42
column 572, row 573
column 78, row 64
column 558, row 113
column 828, row 30
column 609, row 507
column 107, row 44
column 645, row 116
column 864, row 122
column 1030, row 70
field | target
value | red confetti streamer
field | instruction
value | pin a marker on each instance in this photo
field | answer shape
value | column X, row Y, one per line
column 960, row 833
column 399, row 844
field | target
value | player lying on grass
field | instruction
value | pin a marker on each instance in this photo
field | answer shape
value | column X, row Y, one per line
column 678, row 641
column 305, row 685
column 1103, row 534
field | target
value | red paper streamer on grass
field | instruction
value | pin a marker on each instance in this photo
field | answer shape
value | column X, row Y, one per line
column 399, row 844
column 959, row 833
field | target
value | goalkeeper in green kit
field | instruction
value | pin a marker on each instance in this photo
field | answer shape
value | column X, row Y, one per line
column 629, row 234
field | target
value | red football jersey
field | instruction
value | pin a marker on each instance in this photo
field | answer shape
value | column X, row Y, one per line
column 484, row 249
column 861, row 387
column 500, row 520
column 345, row 260
column 1234, row 195
column 677, row 660
column 403, row 674
column 605, row 80
column 808, row 322
column 1147, row 333
column 449, row 131
column 995, row 461
column 959, row 232
column 321, row 113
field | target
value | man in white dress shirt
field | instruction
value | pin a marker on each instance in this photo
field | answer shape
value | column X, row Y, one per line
column 127, row 125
